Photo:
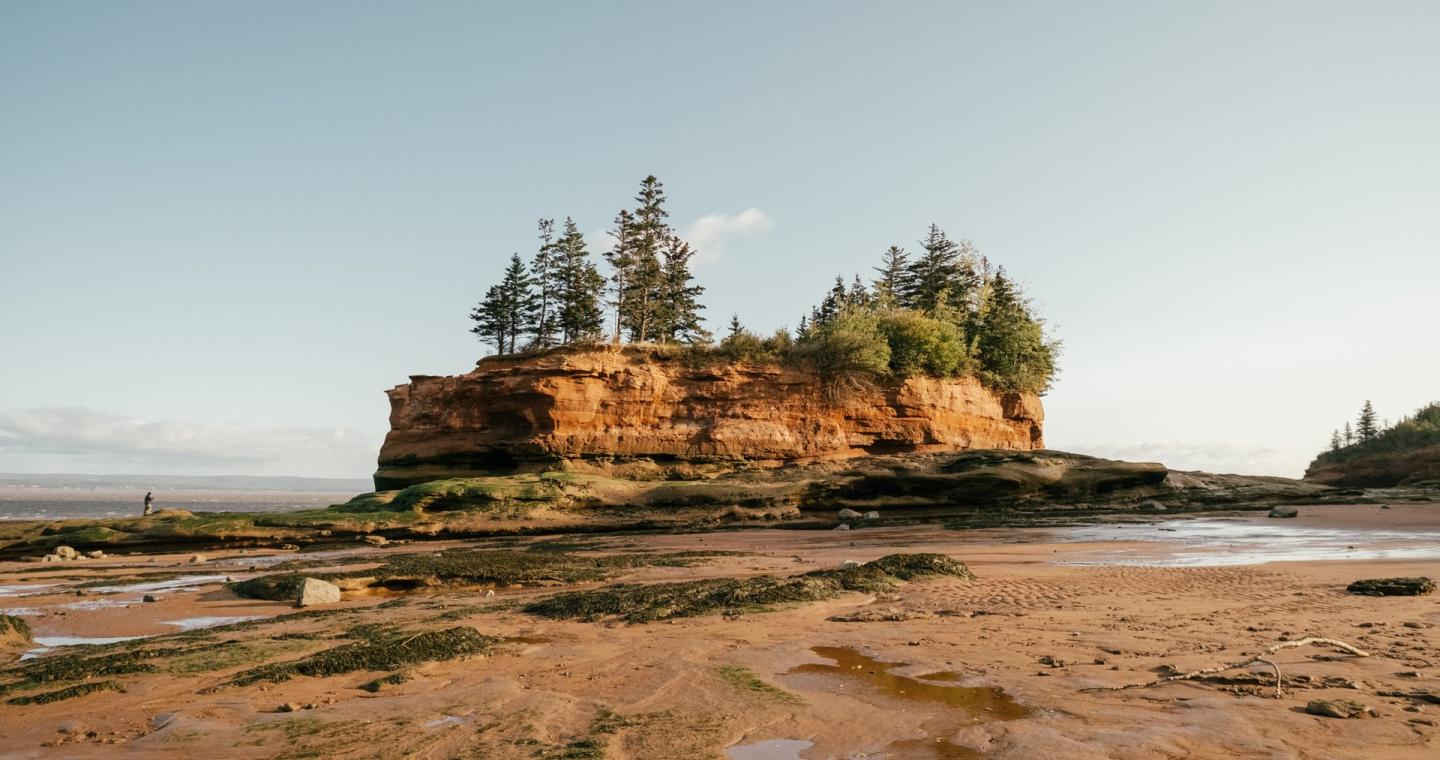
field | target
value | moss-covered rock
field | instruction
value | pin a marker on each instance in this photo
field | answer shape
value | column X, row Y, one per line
column 640, row 603
column 1392, row 586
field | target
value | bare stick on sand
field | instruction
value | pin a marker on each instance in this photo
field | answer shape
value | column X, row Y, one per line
column 1244, row 663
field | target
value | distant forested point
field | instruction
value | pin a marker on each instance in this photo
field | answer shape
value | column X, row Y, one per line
column 944, row 311
column 1369, row 435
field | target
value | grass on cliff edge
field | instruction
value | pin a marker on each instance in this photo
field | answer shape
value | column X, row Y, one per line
column 642, row 603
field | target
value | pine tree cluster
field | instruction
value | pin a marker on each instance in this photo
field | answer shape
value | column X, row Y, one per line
column 1369, row 435
column 945, row 312
column 560, row 297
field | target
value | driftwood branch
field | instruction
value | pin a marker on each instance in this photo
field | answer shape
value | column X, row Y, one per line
column 1279, row 687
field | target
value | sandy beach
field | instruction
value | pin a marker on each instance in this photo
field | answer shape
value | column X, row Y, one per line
column 1002, row 666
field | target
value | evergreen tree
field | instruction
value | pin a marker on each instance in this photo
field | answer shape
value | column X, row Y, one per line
column 542, row 273
column 895, row 287
column 677, row 311
column 622, row 265
column 944, row 274
column 647, row 278
column 857, row 296
column 735, row 329
column 1014, row 353
column 1349, row 434
column 508, row 310
column 577, row 287
column 1335, row 441
column 1365, row 425
column 831, row 305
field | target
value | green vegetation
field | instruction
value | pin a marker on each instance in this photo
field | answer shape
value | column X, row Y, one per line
column 382, row 652
column 14, row 630
column 69, row 692
column 1368, row 437
column 374, row 686
column 944, row 313
column 746, row 680
column 468, row 567
column 641, row 603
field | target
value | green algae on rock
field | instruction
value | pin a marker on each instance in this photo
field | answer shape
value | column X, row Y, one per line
column 69, row 692
column 381, row 652
column 1392, row 586
column 641, row 603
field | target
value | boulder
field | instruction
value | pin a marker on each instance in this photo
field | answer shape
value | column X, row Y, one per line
column 149, row 598
column 96, row 554
column 197, row 559
column 65, row 552
column 849, row 563
column 872, row 515
column 314, row 591
column 1284, row 512
column 1338, row 708
column 848, row 514
column 377, row 540
column 842, row 526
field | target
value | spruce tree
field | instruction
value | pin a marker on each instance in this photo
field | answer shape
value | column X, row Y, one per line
column 1013, row 351
column 1365, row 425
column 1335, row 441
column 831, row 305
column 508, row 310
column 1349, row 434
column 677, row 312
column 622, row 265
column 542, row 269
column 577, row 287
column 894, row 288
column 735, row 329
column 945, row 274
column 857, row 296
column 646, row 280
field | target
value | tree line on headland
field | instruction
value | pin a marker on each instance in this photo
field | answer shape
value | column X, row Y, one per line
column 1369, row 435
column 944, row 311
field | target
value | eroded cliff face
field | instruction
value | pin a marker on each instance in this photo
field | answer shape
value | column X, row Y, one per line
column 599, row 406
column 1384, row 469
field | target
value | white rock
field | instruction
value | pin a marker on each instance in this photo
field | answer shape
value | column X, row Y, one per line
column 65, row 552
column 1284, row 512
column 51, row 558
column 848, row 514
column 377, row 540
column 315, row 591
column 842, row 526
column 97, row 554
column 872, row 515
column 849, row 563
column 197, row 559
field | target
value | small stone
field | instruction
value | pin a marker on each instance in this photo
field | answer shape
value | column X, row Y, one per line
column 1422, row 721
column 1284, row 512
column 1052, row 662
column 1338, row 708
column 197, row 559
column 149, row 598
column 1416, row 624
column 872, row 515
column 289, row 707
column 1409, row 674
column 96, row 554
column 377, row 540
column 489, row 593
column 1392, row 586
column 65, row 552
column 848, row 514
column 842, row 526
column 1152, row 506
column 315, row 591
column 849, row 563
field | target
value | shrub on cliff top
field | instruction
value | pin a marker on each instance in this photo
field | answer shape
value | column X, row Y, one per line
column 921, row 345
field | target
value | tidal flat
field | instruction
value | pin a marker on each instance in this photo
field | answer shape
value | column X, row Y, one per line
column 679, row 645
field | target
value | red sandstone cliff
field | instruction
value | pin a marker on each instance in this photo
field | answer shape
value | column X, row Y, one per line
column 622, row 403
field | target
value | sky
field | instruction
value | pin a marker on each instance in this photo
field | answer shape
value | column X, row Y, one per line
column 227, row 228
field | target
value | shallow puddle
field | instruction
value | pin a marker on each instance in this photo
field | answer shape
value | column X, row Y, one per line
column 983, row 702
column 770, row 749
column 48, row 643
column 944, row 675
column 1218, row 542
column 183, row 583
column 197, row 623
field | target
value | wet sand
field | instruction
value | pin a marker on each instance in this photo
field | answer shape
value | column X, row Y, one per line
column 997, row 667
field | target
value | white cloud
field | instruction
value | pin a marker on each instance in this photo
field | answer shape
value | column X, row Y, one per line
column 1219, row 457
column 709, row 233
column 74, row 439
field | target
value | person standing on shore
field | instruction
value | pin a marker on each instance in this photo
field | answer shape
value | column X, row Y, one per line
column 149, row 498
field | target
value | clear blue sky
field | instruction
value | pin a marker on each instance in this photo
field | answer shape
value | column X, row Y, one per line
column 226, row 228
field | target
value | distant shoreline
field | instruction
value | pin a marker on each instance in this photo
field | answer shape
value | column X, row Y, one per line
column 69, row 503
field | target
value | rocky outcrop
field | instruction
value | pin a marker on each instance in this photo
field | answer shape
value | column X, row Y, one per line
column 604, row 405
column 1383, row 469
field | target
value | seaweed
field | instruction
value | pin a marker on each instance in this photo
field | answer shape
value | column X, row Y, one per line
column 381, row 653
column 470, row 567
column 1392, row 586
column 375, row 685
column 69, row 692
column 641, row 603
column 14, row 629
column 746, row 680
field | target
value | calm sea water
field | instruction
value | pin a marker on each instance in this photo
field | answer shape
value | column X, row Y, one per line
column 60, row 504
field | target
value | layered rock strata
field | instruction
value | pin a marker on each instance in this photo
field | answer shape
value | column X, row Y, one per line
column 602, row 406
